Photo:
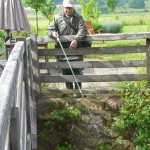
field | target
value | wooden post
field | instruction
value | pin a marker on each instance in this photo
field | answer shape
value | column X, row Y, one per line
column 36, row 88
column 30, row 99
column 15, row 129
column 27, row 91
column 35, row 63
column 148, row 59
column 33, row 104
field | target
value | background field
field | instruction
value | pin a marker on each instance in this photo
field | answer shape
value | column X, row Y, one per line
column 134, row 20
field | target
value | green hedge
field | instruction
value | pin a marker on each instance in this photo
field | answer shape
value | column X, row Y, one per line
column 112, row 27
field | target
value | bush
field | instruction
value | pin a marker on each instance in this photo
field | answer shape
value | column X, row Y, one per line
column 96, row 25
column 112, row 27
column 2, row 33
column 133, row 123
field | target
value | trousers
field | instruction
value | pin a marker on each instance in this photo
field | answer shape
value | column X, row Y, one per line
column 69, row 85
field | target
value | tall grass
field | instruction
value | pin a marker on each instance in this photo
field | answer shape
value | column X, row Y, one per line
column 129, row 19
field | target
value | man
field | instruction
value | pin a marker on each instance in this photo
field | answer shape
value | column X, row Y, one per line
column 69, row 22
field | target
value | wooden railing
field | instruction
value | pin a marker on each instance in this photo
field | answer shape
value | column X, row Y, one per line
column 47, row 78
column 17, row 100
column 21, row 79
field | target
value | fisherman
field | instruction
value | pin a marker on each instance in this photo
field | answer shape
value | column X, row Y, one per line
column 69, row 22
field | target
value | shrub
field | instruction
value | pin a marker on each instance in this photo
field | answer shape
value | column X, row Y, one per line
column 63, row 116
column 90, row 9
column 133, row 123
column 112, row 27
column 2, row 33
column 96, row 25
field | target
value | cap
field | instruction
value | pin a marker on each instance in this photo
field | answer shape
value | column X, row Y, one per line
column 68, row 3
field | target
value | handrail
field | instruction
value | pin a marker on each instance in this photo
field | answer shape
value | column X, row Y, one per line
column 100, row 37
column 99, row 50
column 16, row 100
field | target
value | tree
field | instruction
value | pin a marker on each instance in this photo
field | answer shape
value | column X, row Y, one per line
column 111, row 5
column 36, row 5
column 138, row 4
column 48, row 10
column 90, row 9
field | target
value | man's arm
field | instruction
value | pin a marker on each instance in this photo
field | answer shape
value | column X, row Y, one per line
column 82, row 31
column 52, row 30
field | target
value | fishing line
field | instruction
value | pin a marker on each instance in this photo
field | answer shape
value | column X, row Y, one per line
column 83, row 96
column 70, row 67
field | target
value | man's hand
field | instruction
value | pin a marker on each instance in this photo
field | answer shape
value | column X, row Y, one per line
column 55, row 35
column 74, row 43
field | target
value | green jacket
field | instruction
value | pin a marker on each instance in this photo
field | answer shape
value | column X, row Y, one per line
column 58, row 24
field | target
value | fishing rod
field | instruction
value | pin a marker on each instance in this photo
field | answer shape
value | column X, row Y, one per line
column 70, row 67
column 83, row 96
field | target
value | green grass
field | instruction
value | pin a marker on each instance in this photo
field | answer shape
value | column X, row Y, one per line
column 136, row 28
column 127, row 19
column 133, row 23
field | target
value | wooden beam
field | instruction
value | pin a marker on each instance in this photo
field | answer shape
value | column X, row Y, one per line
column 93, row 50
column 15, row 129
column 101, row 37
column 92, row 64
column 148, row 59
column 92, row 78
column 35, row 64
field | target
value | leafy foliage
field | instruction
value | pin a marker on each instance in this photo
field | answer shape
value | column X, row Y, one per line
column 111, row 4
column 96, row 25
column 48, row 9
column 66, row 146
column 36, row 5
column 90, row 9
column 112, row 27
column 64, row 115
column 2, row 33
column 134, row 120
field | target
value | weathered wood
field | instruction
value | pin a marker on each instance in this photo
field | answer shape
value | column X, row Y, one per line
column 93, row 50
column 60, row 92
column 148, row 59
column 93, row 78
column 31, row 109
column 28, row 41
column 101, row 37
column 33, row 125
column 11, row 80
column 8, row 91
column 13, row 94
column 30, row 78
column 23, row 126
column 28, row 141
column 27, row 88
column 92, row 64
column 7, row 140
column 15, row 129
column 35, row 64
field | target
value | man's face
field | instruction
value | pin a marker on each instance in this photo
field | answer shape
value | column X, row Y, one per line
column 68, row 10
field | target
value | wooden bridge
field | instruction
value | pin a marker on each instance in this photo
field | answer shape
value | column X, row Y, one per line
column 20, row 82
